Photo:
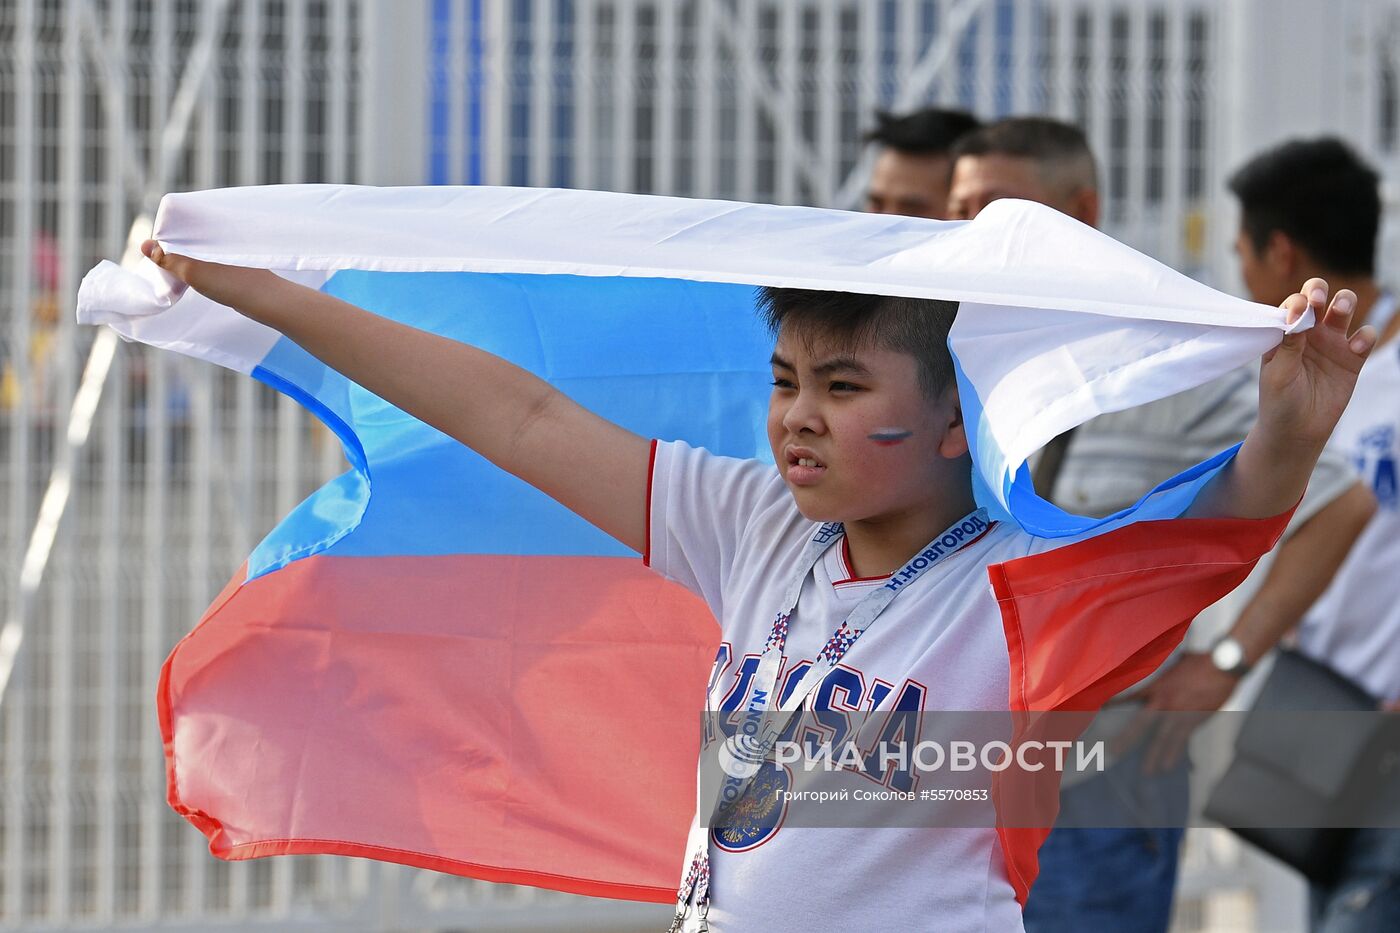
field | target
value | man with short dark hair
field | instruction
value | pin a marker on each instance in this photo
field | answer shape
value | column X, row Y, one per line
column 910, row 175
column 1354, row 627
column 1338, row 243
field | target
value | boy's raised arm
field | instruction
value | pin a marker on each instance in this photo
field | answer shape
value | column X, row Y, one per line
column 1304, row 386
column 511, row 417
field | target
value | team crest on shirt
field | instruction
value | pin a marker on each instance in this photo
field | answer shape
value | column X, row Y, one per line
column 758, row 814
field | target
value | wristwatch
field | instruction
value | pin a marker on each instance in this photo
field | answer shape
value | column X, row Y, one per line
column 1228, row 657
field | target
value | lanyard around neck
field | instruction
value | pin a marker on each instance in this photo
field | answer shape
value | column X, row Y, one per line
column 763, row 727
column 862, row 617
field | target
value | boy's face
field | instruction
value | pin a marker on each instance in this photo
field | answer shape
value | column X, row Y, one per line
column 880, row 446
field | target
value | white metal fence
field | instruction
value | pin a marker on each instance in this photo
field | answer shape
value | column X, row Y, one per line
column 184, row 467
column 765, row 100
column 104, row 105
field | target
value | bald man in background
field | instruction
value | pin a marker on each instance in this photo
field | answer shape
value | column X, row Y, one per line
column 1122, row 877
column 910, row 174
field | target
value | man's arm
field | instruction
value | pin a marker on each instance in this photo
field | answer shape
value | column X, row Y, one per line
column 511, row 417
column 1304, row 564
column 1304, row 385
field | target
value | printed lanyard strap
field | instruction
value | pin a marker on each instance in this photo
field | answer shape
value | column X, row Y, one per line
column 763, row 728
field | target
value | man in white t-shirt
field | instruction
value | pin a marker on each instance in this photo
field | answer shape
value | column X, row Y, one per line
column 1354, row 627
column 872, row 479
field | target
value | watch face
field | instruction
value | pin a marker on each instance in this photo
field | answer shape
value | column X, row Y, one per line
column 1228, row 655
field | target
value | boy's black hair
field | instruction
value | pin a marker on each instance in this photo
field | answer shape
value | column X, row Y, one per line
column 917, row 326
column 1320, row 194
column 930, row 131
column 1049, row 142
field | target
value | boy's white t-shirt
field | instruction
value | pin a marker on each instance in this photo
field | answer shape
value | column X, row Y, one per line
column 729, row 531
column 1355, row 625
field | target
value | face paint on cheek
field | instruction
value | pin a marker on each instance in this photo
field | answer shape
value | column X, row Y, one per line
column 888, row 437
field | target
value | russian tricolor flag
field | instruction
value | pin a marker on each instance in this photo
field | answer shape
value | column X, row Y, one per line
column 430, row 662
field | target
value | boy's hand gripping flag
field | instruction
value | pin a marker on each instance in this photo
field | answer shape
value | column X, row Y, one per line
column 430, row 662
